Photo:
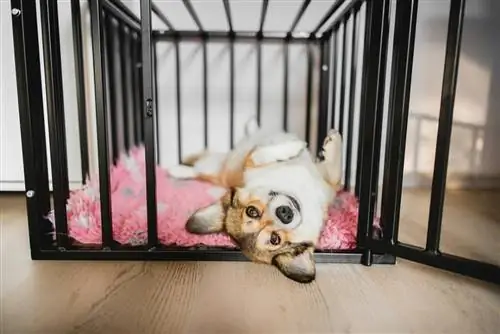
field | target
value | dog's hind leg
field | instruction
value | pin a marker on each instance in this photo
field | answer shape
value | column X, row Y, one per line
column 186, row 170
column 204, row 166
column 192, row 159
column 330, row 166
column 182, row 172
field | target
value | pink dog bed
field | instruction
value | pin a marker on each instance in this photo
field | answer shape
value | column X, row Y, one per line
column 176, row 201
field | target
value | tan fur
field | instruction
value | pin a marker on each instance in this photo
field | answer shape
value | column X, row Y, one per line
column 335, row 184
column 191, row 160
column 214, row 179
column 227, row 177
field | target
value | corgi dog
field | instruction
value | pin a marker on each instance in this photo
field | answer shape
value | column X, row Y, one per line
column 276, row 197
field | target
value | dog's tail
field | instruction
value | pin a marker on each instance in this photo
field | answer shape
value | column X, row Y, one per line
column 251, row 126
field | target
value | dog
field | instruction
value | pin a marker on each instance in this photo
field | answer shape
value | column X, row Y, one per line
column 276, row 197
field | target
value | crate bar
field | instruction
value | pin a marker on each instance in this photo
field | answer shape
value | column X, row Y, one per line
column 101, row 118
column 455, row 27
column 397, row 119
column 129, row 85
column 333, row 65
column 299, row 15
column 199, row 255
column 135, row 83
column 124, row 9
column 328, row 15
column 309, row 88
column 456, row 264
column 80, row 87
column 323, row 93
column 110, row 42
column 286, row 47
column 361, row 124
column 55, row 112
column 377, row 27
column 259, row 36
column 194, row 16
column 352, row 97
column 162, row 17
column 125, row 83
column 141, row 92
column 178, row 99
column 156, row 99
column 119, row 110
column 123, row 15
column 225, row 36
column 104, row 17
column 345, row 11
column 227, row 9
column 343, row 75
column 263, row 14
column 231, row 94
column 259, row 81
column 31, row 116
column 205, row 94
column 149, row 108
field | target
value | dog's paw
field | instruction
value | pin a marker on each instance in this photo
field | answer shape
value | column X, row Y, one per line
column 182, row 172
column 332, row 146
column 378, row 233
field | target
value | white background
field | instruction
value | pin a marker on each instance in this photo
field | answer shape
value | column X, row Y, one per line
column 473, row 160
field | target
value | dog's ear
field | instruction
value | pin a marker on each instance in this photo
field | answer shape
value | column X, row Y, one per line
column 298, row 264
column 207, row 220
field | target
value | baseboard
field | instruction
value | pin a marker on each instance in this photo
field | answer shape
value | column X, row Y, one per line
column 454, row 181
column 410, row 180
column 18, row 186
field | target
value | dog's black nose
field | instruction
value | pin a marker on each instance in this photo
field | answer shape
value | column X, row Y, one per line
column 285, row 214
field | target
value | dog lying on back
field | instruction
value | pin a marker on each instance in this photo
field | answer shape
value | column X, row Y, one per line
column 276, row 198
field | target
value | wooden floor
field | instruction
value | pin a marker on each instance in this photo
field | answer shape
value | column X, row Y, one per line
column 194, row 297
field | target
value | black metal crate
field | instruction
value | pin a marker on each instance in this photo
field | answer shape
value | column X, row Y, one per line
column 118, row 36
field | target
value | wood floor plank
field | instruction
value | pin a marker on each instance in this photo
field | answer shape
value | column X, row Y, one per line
column 225, row 297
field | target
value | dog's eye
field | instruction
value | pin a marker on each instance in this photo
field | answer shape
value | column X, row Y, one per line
column 275, row 239
column 252, row 212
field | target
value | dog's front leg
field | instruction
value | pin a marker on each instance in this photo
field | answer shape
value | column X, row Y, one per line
column 198, row 165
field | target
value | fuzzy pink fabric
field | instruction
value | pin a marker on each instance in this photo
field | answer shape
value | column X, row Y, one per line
column 176, row 201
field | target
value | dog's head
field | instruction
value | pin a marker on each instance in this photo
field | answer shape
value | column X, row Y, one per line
column 267, row 226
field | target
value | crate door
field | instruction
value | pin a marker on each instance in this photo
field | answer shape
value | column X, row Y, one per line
column 430, row 252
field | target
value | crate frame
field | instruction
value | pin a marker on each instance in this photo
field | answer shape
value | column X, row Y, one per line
column 137, row 36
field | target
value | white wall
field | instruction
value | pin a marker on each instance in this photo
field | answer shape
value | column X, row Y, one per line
column 11, row 166
column 11, row 161
column 473, row 151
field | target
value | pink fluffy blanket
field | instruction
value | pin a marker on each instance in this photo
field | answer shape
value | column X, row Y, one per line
column 176, row 201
